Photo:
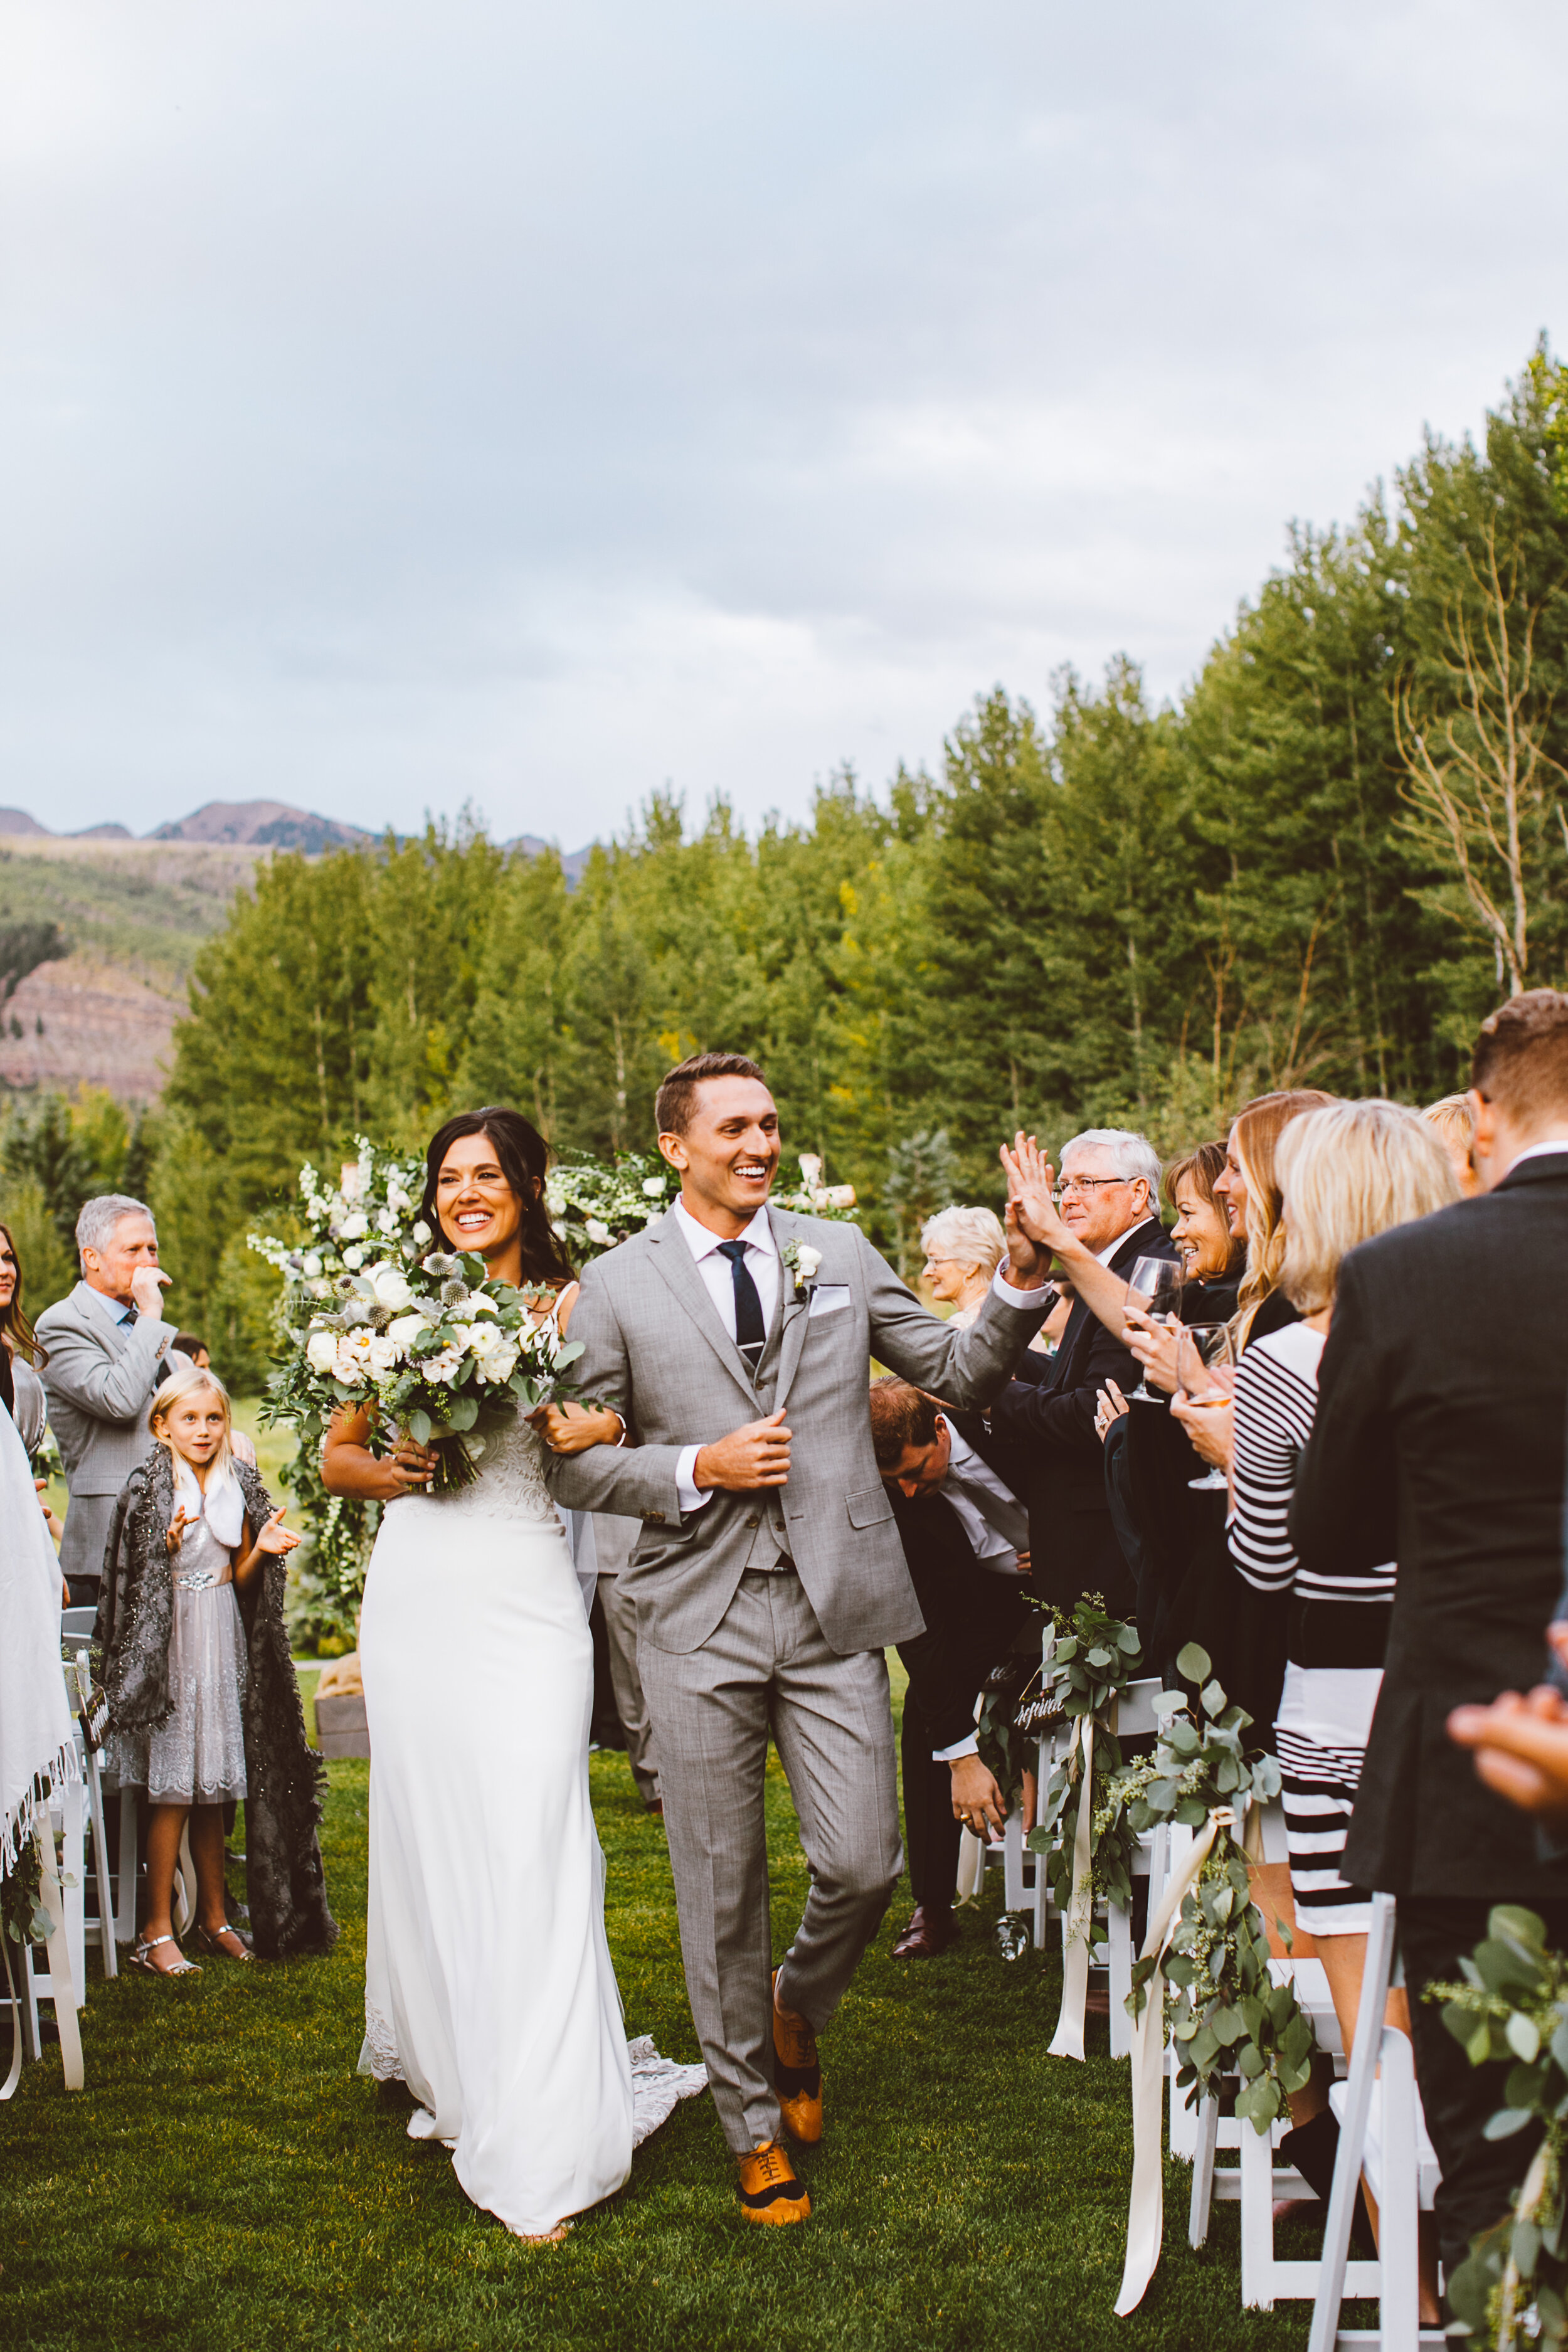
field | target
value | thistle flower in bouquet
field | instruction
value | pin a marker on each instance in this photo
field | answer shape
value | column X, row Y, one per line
column 436, row 1352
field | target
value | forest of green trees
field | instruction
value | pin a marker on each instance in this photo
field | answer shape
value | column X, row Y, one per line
column 1324, row 865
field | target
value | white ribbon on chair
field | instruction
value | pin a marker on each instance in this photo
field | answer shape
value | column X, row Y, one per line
column 971, row 1867
column 1068, row 2041
column 1147, row 2210
column 62, row 1991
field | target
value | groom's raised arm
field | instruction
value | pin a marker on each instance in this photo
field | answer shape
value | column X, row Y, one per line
column 637, row 1482
column 965, row 1368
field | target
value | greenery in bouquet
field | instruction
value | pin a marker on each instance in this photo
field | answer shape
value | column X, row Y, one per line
column 1094, row 1661
column 1224, row 2012
column 436, row 1352
column 1513, row 2004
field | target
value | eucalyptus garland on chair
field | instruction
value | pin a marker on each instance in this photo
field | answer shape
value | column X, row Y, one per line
column 1225, row 2014
column 1513, row 2287
column 1090, row 1669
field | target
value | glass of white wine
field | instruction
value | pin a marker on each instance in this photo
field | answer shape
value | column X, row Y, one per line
column 1155, row 1284
column 1203, row 1350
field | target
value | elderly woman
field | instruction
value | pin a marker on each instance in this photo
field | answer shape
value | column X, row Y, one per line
column 964, row 1248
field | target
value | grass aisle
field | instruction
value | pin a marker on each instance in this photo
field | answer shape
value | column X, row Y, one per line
column 227, row 2182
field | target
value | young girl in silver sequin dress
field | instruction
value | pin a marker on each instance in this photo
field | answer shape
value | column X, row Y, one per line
column 192, row 1763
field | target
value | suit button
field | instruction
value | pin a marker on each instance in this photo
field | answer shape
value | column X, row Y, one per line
column 654, row 1518
column 754, row 1522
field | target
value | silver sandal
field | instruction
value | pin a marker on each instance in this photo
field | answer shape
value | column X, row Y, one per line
column 207, row 1941
column 139, row 1959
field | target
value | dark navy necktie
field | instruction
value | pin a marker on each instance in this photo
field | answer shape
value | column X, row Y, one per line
column 750, row 1331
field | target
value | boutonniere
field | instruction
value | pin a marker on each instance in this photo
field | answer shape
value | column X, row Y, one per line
column 803, row 1262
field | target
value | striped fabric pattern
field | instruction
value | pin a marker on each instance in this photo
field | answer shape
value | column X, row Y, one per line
column 1276, row 1402
column 1320, row 1784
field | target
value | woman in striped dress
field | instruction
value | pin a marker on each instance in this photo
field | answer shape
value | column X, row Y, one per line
column 1347, row 1171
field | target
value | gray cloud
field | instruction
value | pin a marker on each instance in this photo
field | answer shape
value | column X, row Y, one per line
column 400, row 406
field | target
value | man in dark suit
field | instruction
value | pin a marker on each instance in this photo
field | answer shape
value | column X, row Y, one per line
column 1439, row 1443
column 965, row 1536
column 1109, row 1183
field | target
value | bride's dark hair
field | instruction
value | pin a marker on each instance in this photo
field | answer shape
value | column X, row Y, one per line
column 524, row 1157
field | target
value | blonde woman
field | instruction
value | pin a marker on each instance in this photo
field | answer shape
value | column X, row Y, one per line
column 1453, row 1123
column 964, row 1248
column 1347, row 1173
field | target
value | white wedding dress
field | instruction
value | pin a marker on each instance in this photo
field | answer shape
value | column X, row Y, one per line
column 488, row 1987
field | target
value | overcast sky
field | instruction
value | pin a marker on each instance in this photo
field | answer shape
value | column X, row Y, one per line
column 405, row 404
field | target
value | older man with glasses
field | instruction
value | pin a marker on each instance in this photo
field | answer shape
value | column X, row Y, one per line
column 1110, row 1182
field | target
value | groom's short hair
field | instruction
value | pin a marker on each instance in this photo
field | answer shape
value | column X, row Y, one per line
column 677, row 1097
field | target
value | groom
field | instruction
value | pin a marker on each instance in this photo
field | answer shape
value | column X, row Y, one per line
column 769, row 1575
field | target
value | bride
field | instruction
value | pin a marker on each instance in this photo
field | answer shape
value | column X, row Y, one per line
column 488, row 1987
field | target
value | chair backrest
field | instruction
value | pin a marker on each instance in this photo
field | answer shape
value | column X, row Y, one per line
column 77, row 1624
column 1135, row 1709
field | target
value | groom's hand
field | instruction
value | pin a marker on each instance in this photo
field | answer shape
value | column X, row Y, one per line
column 755, row 1455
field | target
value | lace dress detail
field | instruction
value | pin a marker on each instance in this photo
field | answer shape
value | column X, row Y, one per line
column 510, row 1484
column 378, row 2055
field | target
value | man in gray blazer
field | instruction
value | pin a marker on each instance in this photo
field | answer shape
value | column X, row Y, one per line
column 108, row 1355
column 769, row 1575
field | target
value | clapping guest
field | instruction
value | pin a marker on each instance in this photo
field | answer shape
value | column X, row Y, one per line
column 964, row 1247
column 21, row 1390
column 1455, row 1124
column 1105, row 1197
column 1438, row 1442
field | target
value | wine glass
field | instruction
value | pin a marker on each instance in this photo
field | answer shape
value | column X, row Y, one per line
column 1157, row 1281
column 1202, row 1348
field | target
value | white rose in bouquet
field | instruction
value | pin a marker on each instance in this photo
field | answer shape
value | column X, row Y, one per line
column 384, row 1355
column 392, row 1287
column 421, row 1234
column 480, row 1305
column 408, row 1330
column 353, row 1258
column 441, row 1369
column 311, row 1264
column 322, row 1351
column 354, row 1226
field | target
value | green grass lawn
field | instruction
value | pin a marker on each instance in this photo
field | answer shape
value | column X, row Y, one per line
column 227, row 2182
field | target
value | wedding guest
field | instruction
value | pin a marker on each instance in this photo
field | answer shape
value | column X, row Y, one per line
column 107, row 1350
column 196, row 1351
column 1214, row 1258
column 1046, row 1416
column 1438, row 1442
column 964, row 1247
column 21, row 1390
column 966, row 1538
column 203, row 1707
column 1346, row 1173
column 1248, row 1185
column 1455, row 1126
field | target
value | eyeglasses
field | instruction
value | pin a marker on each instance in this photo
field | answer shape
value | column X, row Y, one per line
column 1087, row 1184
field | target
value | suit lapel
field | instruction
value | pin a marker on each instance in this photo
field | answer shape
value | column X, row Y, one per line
column 678, row 1268
column 796, row 1311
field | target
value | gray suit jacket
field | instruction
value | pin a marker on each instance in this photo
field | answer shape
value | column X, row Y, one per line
column 101, row 1376
column 653, row 1341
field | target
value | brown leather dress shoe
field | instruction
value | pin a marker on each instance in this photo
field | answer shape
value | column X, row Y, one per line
column 928, row 1933
column 769, row 2189
column 798, row 2076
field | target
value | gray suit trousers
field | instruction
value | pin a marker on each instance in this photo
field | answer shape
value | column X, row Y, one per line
column 767, row 1667
column 89, row 1518
column 626, row 1679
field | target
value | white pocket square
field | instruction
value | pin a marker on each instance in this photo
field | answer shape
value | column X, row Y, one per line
column 828, row 1297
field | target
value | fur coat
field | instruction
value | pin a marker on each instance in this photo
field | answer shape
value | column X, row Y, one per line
column 285, row 1886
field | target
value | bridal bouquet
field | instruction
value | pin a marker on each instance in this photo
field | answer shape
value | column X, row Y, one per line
column 442, row 1355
